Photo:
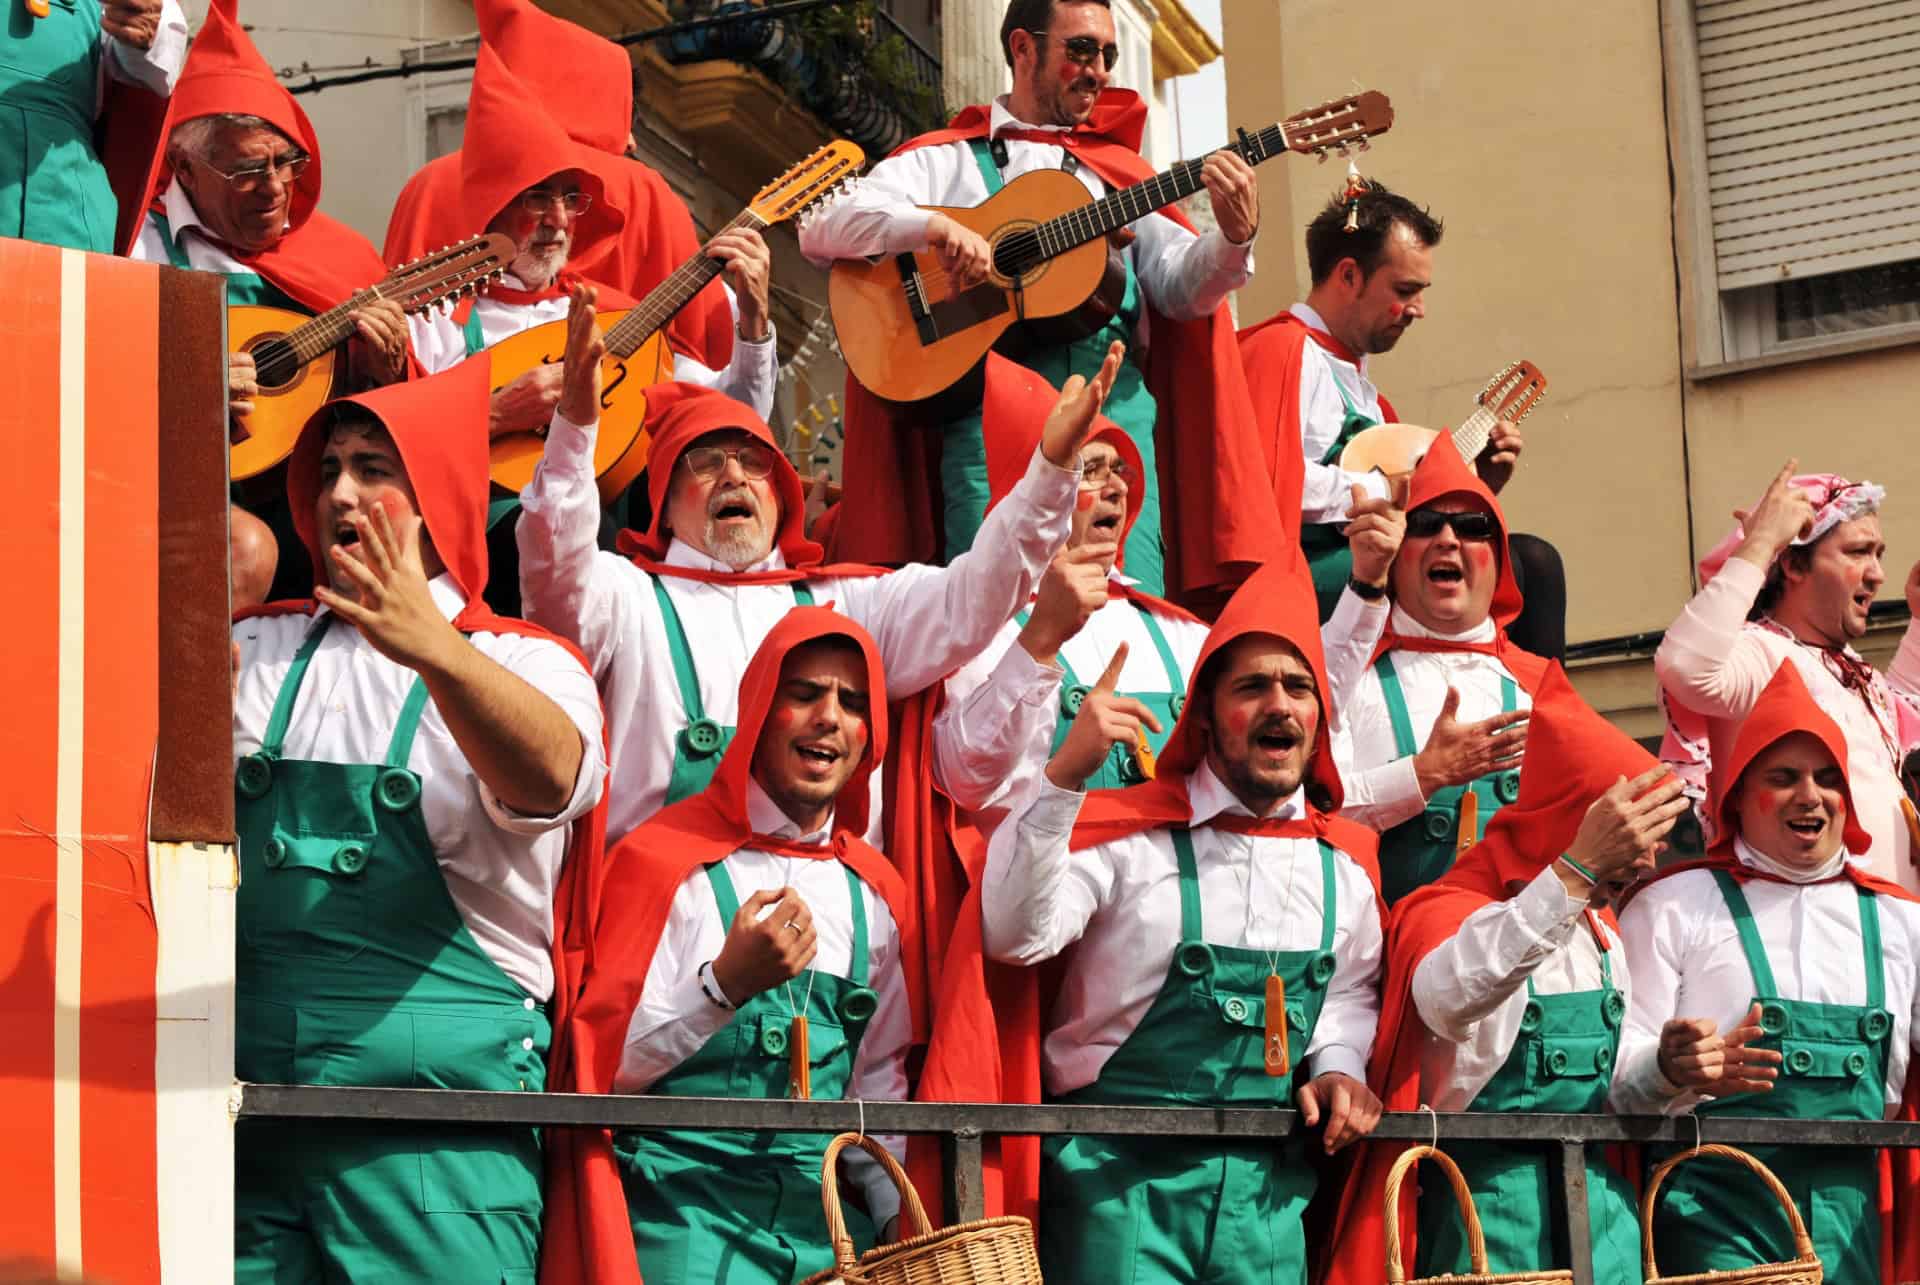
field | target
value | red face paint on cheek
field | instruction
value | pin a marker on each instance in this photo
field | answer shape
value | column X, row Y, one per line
column 785, row 716
column 1238, row 720
column 1086, row 500
column 391, row 502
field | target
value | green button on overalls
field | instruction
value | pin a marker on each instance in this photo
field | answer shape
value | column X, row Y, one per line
column 1121, row 767
column 697, row 747
column 717, row 1208
column 355, row 967
column 1562, row 1062
column 1325, row 543
column 963, row 452
column 1714, row 1215
column 1155, row 1211
column 1421, row 849
column 53, row 188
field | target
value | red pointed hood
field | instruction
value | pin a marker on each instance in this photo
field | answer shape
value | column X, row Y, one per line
column 563, row 62
column 512, row 143
column 1784, row 707
column 1442, row 474
column 677, row 415
column 1013, row 409
column 438, row 425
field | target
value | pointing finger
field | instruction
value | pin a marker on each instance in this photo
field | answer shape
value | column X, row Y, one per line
column 1111, row 675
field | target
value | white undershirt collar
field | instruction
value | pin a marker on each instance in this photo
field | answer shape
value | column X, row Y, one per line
column 1209, row 797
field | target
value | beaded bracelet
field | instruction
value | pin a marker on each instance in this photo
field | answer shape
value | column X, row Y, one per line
column 713, row 992
column 1581, row 870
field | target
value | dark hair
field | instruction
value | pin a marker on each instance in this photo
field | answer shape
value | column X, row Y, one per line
column 1378, row 209
column 1799, row 557
column 1032, row 15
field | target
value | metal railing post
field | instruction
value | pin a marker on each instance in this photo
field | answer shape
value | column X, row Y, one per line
column 1573, row 1184
column 966, row 1175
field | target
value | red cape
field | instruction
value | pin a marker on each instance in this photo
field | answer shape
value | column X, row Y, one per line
column 588, row 1236
column 320, row 261
column 1573, row 756
column 1205, row 435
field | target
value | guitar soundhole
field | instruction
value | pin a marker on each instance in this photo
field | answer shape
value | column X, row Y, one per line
column 1017, row 252
column 278, row 366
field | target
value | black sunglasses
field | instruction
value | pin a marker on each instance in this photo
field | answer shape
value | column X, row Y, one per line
column 1423, row 524
column 1084, row 49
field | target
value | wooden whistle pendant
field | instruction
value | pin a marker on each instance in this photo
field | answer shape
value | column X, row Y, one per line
column 1276, row 1048
column 799, row 1064
column 1469, row 823
column 1143, row 755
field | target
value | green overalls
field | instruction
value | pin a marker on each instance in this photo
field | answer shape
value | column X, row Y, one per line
column 1122, row 764
column 355, row 967
column 1561, row 1062
column 1715, row 1215
column 1421, row 849
column 1155, row 1211
column 697, row 747
column 713, row 1208
column 963, row 453
column 53, row 188
column 1325, row 543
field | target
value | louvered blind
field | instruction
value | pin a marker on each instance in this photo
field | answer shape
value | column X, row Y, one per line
column 1813, row 134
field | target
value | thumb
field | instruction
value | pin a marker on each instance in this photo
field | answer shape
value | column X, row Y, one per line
column 1357, row 497
column 1451, row 705
column 750, row 909
column 1111, row 675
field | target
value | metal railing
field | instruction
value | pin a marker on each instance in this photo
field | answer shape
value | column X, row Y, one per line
column 963, row 1127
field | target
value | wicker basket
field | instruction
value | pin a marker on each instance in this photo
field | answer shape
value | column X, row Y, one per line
column 1803, row 1270
column 994, row 1251
column 1476, row 1238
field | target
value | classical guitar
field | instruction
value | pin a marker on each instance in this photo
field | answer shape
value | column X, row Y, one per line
column 1394, row 449
column 637, row 352
column 297, row 357
column 909, row 336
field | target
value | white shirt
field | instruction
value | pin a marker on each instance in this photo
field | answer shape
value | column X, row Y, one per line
column 1688, row 963
column 1471, row 990
column 500, row 865
column 158, row 66
column 1382, row 788
column 1324, row 493
column 190, row 235
column 927, row 620
column 675, row 1019
column 1182, row 275
column 1713, row 662
column 1120, row 901
column 441, row 342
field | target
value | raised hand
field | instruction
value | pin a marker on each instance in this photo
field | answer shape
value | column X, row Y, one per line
column 579, row 398
column 1623, row 829
column 764, row 949
column 133, row 22
column 1073, row 588
column 964, row 253
column 1070, row 423
column 1783, row 515
column 1375, row 529
column 381, row 328
column 1693, row 1056
column 1235, row 194
column 1350, row 1108
column 389, row 602
column 1457, row 752
column 1502, row 453
column 1104, row 720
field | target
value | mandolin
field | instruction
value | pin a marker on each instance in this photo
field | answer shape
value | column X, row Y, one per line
column 1394, row 449
column 908, row 336
column 637, row 352
column 297, row 356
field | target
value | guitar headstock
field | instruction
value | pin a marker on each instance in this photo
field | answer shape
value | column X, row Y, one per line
column 809, row 181
column 443, row 275
column 1339, row 124
column 1514, row 392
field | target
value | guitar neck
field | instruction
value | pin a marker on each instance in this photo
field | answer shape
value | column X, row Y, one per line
column 331, row 328
column 1471, row 437
column 665, row 300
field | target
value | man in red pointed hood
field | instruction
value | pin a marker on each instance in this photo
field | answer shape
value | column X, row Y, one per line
column 1308, row 372
column 1225, row 936
column 1440, row 717
column 752, row 947
column 1505, row 990
column 923, row 492
column 235, row 189
column 417, row 784
column 1781, row 933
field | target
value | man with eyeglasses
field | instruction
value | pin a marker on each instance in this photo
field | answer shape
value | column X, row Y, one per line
column 1431, row 739
column 1062, row 114
column 236, row 190
column 57, row 62
column 1307, row 368
column 1793, row 582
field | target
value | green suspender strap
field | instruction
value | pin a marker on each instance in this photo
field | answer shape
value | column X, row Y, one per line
column 1403, row 738
column 1176, row 681
column 399, row 748
column 1190, row 923
column 1870, row 948
column 1750, row 945
column 475, row 337
column 989, row 170
column 1330, row 894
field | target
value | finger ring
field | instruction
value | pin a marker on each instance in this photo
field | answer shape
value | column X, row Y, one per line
column 792, row 925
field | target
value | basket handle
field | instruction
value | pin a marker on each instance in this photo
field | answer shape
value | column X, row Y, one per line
column 1802, row 1243
column 910, row 1207
column 1476, row 1238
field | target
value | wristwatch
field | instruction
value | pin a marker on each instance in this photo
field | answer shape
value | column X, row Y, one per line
column 1368, row 592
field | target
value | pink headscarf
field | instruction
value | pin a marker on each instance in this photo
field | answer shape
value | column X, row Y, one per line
column 1835, row 500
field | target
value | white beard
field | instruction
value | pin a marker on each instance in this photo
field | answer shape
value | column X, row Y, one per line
column 738, row 549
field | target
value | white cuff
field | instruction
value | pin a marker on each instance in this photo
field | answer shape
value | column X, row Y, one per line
column 1337, row 1058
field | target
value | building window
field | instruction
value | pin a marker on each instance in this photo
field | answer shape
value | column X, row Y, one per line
column 446, row 126
column 1796, row 135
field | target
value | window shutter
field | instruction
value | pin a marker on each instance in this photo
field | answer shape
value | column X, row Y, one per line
column 1812, row 114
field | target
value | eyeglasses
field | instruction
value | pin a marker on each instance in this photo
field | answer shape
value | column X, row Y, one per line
column 540, row 200
column 288, row 165
column 1094, row 473
column 1084, row 49
column 1423, row 524
column 708, row 462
